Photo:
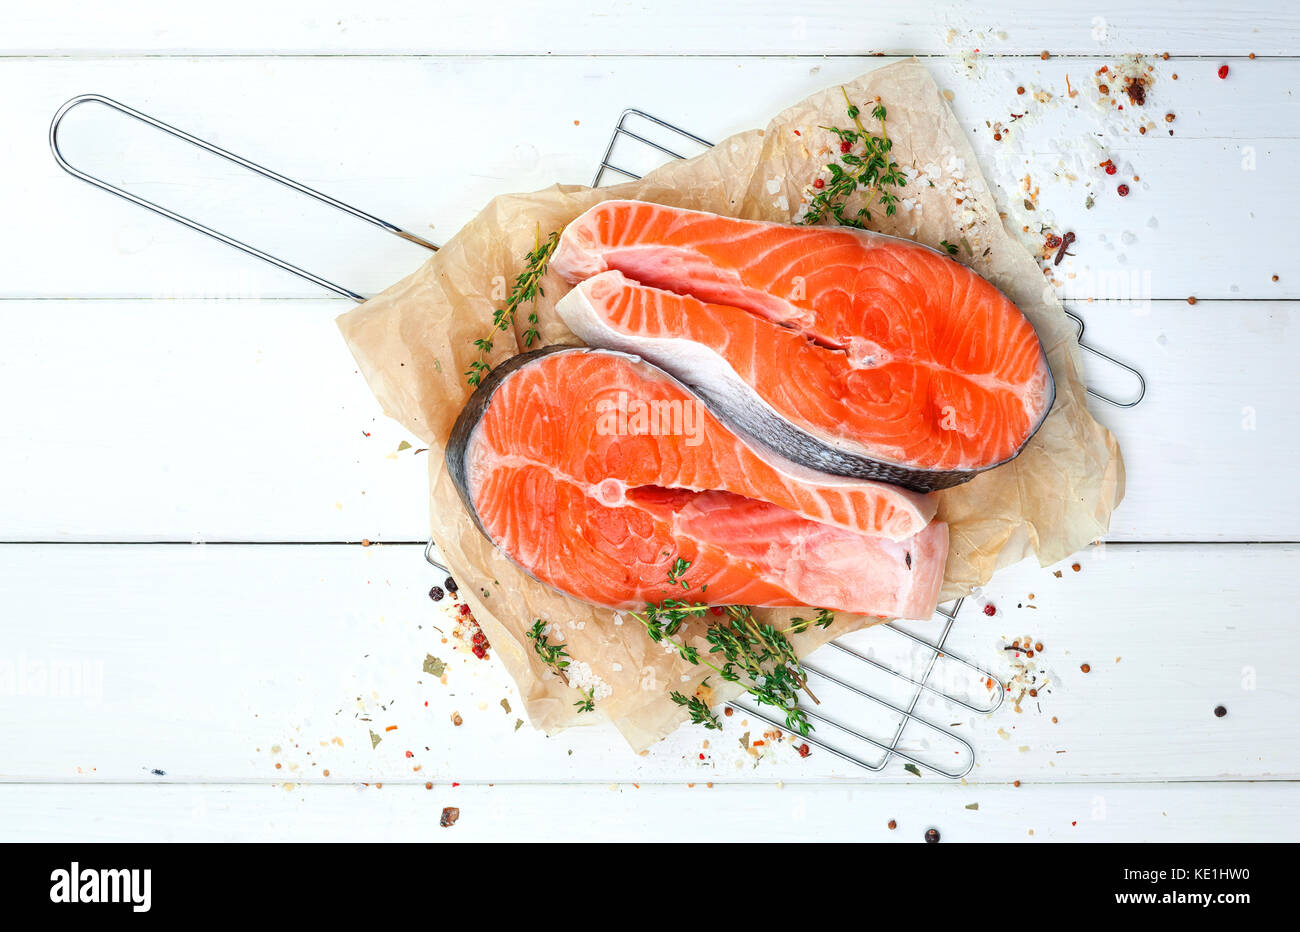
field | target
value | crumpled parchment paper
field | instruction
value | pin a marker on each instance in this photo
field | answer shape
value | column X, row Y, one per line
column 414, row 342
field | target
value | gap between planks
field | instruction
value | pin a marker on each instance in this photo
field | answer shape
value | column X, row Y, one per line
column 105, row 55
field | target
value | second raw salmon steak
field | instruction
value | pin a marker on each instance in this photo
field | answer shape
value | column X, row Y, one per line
column 851, row 352
column 596, row 472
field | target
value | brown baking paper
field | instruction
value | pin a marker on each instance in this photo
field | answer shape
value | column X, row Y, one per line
column 415, row 341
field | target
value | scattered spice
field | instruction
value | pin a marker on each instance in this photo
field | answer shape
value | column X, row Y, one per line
column 1076, row 567
column 1086, row 668
column 1123, row 190
column 436, row 593
column 479, row 643
column 450, row 585
column 932, row 834
column 1274, row 278
column 1169, row 118
column 1020, row 90
column 1015, row 783
column 1136, row 89
column 892, row 824
column 1223, row 72
column 1066, row 240
column 1045, row 55
column 804, row 750
column 449, row 816
column 1191, row 299
column 1220, row 711
column 456, row 719
column 912, row 769
column 990, row 609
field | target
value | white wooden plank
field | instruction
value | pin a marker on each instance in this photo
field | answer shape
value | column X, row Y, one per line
column 1216, row 414
column 674, row 27
column 275, row 663
column 425, row 142
column 624, row 812
column 192, row 420
column 246, row 420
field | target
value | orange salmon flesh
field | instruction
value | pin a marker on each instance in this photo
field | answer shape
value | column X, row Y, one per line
column 596, row 471
column 879, row 349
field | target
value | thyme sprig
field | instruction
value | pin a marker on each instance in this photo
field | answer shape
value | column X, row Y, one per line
column 556, row 656
column 742, row 649
column 825, row 618
column 526, row 290
column 699, row 710
column 865, row 164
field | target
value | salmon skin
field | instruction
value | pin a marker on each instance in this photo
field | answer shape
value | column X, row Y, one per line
column 850, row 352
column 595, row 472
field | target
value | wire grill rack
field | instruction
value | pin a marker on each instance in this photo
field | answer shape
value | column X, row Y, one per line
column 873, row 686
column 657, row 137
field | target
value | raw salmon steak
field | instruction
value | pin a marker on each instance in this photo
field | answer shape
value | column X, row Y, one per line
column 851, row 352
column 595, row 472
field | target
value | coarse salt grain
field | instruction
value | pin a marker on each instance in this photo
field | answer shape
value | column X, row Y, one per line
column 582, row 677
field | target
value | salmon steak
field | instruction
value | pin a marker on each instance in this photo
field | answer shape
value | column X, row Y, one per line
column 596, row 472
column 847, row 351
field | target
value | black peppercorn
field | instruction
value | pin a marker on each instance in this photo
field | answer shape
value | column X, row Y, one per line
column 436, row 594
column 450, row 585
column 932, row 836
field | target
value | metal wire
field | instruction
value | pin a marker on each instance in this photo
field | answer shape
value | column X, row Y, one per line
column 230, row 156
column 621, row 130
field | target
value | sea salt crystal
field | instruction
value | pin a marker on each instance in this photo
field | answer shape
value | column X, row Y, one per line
column 582, row 677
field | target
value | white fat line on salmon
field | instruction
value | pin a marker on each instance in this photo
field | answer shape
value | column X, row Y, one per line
column 625, row 416
column 609, row 492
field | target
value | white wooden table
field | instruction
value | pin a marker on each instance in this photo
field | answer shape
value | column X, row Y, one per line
column 193, row 644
